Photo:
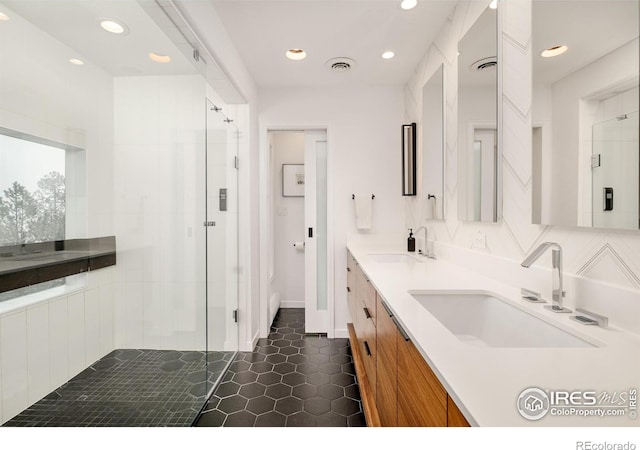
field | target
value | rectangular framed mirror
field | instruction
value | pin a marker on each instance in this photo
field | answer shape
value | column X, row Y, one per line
column 586, row 169
column 479, row 155
column 409, row 159
column 432, row 145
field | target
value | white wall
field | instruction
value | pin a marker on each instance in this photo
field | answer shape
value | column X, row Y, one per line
column 159, row 209
column 476, row 109
column 42, row 94
column 47, row 339
column 430, row 154
column 364, row 142
column 288, row 148
column 542, row 118
column 593, row 259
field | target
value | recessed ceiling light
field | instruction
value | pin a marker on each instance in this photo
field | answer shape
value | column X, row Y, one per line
column 554, row 51
column 159, row 58
column 113, row 26
column 388, row 55
column 408, row 4
column 296, row 54
column 76, row 61
column 3, row 16
column 493, row 4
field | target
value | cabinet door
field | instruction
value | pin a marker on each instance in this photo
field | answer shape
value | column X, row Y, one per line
column 351, row 286
column 366, row 332
column 386, row 367
column 422, row 400
column 454, row 416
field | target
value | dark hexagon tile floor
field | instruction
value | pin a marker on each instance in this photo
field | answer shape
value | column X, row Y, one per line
column 132, row 387
column 289, row 380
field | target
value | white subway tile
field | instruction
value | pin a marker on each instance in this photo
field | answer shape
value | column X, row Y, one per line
column 134, row 335
column 107, row 325
column 76, row 345
column 1, row 415
column 58, row 342
column 13, row 350
column 92, row 325
column 38, row 364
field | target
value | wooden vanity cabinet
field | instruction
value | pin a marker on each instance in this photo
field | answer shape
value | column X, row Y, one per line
column 351, row 285
column 397, row 386
column 386, row 366
column 454, row 416
column 422, row 400
column 365, row 326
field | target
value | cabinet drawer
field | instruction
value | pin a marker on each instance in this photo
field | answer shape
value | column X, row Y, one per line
column 351, row 286
column 366, row 293
column 366, row 334
column 386, row 368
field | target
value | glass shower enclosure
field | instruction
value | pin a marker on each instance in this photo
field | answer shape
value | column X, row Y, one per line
column 144, row 342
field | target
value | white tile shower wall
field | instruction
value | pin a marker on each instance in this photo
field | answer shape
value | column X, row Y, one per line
column 159, row 209
column 610, row 70
column 43, row 95
column 45, row 344
column 592, row 257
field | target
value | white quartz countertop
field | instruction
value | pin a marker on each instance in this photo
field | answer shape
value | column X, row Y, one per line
column 485, row 382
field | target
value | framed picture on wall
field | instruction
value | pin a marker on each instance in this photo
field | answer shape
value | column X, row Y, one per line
column 293, row 180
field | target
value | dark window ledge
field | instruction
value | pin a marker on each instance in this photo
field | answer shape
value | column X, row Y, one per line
column 29, row 264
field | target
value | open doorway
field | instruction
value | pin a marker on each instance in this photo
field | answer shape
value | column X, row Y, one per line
column 297, row 231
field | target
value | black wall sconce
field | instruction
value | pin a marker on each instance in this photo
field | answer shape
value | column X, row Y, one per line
column 409, row 159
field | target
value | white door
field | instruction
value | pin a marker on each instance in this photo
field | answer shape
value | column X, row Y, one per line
column 315, row 210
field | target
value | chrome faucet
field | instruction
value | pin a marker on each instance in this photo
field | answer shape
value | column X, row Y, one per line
column 557, row 294
column 426, row 245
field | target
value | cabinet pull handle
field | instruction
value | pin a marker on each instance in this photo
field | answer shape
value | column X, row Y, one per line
column 400, row 329
column 348, row 269
column 386, row 308
column 348, row 289
column 366, row 347
column 366, row 312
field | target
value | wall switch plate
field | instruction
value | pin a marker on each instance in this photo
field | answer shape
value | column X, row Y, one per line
column 480, row 240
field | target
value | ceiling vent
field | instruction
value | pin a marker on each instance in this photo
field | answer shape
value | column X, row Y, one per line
column 340, row 65
column 485, row 64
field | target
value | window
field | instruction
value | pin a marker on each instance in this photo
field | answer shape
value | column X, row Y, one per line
column 32, row 189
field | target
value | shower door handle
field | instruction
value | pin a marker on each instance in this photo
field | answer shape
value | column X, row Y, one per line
column 310, row 232
column 222, row 197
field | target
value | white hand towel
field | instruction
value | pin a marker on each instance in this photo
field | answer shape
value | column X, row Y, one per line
column 364, row 209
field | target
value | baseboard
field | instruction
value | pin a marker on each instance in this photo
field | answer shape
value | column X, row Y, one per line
column 341, row 333
column 252, row 343
column 291, row 304
column 367, row 392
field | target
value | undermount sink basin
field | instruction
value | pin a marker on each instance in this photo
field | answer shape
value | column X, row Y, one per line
column 393, row 258
column 483, row 320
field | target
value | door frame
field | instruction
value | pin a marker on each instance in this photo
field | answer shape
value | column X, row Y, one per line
column 266, row 211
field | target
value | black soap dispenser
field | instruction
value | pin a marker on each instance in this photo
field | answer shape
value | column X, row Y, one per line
column 411, row 241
